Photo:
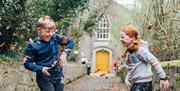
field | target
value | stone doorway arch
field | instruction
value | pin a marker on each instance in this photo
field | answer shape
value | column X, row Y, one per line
column 102, row 60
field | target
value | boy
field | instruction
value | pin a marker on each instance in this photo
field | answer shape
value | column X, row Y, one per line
column 43, row 56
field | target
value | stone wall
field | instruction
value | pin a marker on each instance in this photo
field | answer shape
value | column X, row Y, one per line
column 173, row 74
column 14, row 77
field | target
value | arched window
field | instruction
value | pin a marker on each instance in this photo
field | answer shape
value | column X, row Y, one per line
column 102, row 29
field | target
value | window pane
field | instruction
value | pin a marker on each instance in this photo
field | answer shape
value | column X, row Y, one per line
column 100, row 35
column 97, row 34
column 103, row 28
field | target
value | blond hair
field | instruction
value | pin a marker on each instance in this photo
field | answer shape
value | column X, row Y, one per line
column 46, row 21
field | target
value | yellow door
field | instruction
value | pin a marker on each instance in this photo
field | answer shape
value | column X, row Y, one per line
column 102, row 62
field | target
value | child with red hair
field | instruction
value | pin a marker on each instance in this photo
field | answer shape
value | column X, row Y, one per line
column 139, row 61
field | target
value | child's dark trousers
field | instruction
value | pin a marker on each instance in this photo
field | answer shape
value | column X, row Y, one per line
column 144, row 86
column 46, row 83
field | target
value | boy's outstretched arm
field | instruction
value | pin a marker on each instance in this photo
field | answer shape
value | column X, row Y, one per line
column 28, row 61
column 69, row 46
column 69, row 43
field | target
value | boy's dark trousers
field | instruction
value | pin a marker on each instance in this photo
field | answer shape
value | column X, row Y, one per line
column 46, row 83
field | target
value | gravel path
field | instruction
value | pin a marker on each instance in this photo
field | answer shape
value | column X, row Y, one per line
column 96, row 83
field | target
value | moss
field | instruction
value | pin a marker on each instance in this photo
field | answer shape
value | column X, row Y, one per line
column 173, row 63
column 10, row 57
column 178, row 79
column 37, row 89
column 10, row 62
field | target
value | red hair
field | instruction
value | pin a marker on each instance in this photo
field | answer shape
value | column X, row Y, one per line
column 132, row 32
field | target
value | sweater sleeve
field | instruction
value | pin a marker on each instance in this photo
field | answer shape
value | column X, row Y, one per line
column 62, row 40
column 29, row 63
column 150, row 58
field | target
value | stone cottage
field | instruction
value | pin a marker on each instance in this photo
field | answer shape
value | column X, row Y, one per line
column 103, row 47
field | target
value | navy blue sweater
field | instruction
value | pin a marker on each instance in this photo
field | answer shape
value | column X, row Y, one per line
column 42, row 53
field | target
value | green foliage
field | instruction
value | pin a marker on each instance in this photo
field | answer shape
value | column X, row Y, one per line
column 160, row 25
column 91, row 22
column 18, row 20
column 64, row 12
column 14, row 25
column 95, row 15
column 122, row 72
column 9, row 57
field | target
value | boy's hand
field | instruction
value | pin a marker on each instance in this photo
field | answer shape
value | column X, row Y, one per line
column 164, row 84
column 45, row 71
column 128, row 84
